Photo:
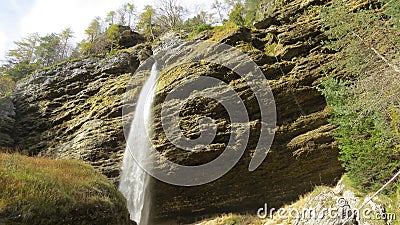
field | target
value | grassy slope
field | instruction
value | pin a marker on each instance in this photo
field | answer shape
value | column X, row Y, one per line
column 44, row 191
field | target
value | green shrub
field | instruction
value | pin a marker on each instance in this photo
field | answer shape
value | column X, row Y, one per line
column 365, row 104
column 202, row 27
column 237, row 15
column 368, row 149
column 6, row 86
column 221, row 32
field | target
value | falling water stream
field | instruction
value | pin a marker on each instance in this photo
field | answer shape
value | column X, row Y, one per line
column 134, row 180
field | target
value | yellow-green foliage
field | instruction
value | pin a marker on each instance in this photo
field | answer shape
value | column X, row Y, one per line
column 36, row 188
column 271, row 47
column 391, row 201
column 6, row 86
column 365, row 100
column 233, row 219
column 321, row 195
column 246, row 47
column 220, row 32
column 278, row 3
column 395, row 119
column 70, row 60
column 174, row 74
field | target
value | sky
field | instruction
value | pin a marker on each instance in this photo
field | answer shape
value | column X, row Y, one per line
column 19, row 18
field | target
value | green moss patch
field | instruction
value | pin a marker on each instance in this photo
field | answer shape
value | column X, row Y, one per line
column 44, row 191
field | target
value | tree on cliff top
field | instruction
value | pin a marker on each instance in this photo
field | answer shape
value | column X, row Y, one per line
column 170, row 14
column 126, row 14
column 96, row 42
column 66, row 46
column 237, row 15
column 34, row 52
column 147, row 25
column 110, row 18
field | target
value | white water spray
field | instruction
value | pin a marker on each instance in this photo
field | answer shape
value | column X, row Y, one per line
column 134, row 180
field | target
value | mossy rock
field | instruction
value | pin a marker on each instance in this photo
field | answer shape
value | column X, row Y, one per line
column 44, row 191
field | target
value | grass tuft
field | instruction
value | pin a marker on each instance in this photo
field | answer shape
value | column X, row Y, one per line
column 45, row 191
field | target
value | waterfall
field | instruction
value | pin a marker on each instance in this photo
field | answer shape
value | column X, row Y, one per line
column 134, row 180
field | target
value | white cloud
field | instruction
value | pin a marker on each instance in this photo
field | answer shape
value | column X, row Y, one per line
column 47, row 16
column 51, row 16
column 3, row 44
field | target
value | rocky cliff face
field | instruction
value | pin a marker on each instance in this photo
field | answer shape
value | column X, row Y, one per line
column 303, row 154
column 7, row 119
column 74, row 111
